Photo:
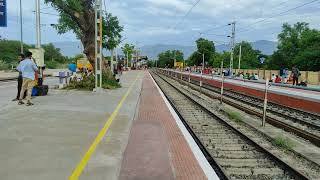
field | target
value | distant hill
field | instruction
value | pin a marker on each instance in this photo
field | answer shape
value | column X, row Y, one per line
column 152, row 51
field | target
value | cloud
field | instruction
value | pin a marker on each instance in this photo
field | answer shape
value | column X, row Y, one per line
column 160, row 21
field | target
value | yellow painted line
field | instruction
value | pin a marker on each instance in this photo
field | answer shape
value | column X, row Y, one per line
column 78, row 170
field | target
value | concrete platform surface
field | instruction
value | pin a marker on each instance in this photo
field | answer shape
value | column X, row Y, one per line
column 48, row 140
column 50, row 72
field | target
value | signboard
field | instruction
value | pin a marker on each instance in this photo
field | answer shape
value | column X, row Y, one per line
column 38, row 56
column 262, row 60
column 3, row 13
column 178, row 64
column 84, row 63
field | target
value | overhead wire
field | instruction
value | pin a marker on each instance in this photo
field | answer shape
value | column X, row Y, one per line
column 279, row 14
column 188, row 12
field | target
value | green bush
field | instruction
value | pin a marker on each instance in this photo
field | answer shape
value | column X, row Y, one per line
column 233, row 115
column 284, row 143
column 88, row 82
column 52, row 64
column 4, row 65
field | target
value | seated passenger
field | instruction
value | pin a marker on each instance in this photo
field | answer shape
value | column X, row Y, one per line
column 256, row 77
column 251, row 77
column 241, row 76
column 246, row 76
column 273, row 78
column 277, row 80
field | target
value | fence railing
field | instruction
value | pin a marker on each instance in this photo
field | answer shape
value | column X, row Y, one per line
column 310, row 77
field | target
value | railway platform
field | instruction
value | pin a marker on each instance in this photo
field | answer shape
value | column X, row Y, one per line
column 302, row 99
column 128, row 133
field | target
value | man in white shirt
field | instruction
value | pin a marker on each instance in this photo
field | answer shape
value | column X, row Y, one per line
column 28, row 68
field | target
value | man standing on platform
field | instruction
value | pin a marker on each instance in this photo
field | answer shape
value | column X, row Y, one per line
column 295, row 75
column 28, row 69
column 20, row 79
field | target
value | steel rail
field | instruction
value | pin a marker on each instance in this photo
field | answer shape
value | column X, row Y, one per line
column 279, row 124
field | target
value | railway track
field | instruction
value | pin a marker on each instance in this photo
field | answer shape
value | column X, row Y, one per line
column 303, row 124
column 233, row 154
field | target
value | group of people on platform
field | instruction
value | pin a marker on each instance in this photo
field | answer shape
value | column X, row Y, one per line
column 28, row 70
column 281, row 78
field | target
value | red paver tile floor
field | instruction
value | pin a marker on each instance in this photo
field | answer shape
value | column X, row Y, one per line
column 157, row 149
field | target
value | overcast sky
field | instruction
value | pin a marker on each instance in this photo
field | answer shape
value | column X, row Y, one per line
column 165, row 21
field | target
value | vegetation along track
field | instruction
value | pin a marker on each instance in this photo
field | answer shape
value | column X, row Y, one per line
column 303, row 124
column 235, row 155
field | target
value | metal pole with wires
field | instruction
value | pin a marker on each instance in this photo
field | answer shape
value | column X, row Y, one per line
column 21, row 31
column 222, row 83
column 98, row 46
column 233, row 24
column 265, row 103
column 202, row 73
column 240, row 54
column 38, row 45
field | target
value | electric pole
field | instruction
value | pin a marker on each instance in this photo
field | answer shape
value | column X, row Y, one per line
column 240, row 54
column 174, row 59
column 21, row 32
column 98, row 45
column 233, row 24
column 38, row 45
column 127, row 59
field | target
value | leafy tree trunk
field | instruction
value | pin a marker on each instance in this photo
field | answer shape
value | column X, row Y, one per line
column 89, row 47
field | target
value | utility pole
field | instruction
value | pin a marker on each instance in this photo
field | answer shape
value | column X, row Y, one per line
column 233, row 24
column 98, row 46
column 21, row 32
column 38, row 45
column 240, row 54
column 174, row 59
column 111, row 61
column 127, row 59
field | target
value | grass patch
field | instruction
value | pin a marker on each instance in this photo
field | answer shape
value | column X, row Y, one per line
column 283, row 143
column 88, row 82
column 235, row 116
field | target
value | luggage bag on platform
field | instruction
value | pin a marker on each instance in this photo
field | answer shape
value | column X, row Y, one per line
column 40, row 90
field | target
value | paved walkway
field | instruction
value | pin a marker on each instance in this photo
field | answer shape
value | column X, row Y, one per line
column 4, row 75
column 157, row 149
column 49, row 139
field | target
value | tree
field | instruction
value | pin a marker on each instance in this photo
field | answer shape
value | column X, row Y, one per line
column 10, row 50
column 298, row 45
column 249, row 56
column 166, row 59
column 79, row 16
column 53, row 54
column 203, row 46
column 289, row 43
column 112, row 32
column 127, row 50
column 219, row 57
